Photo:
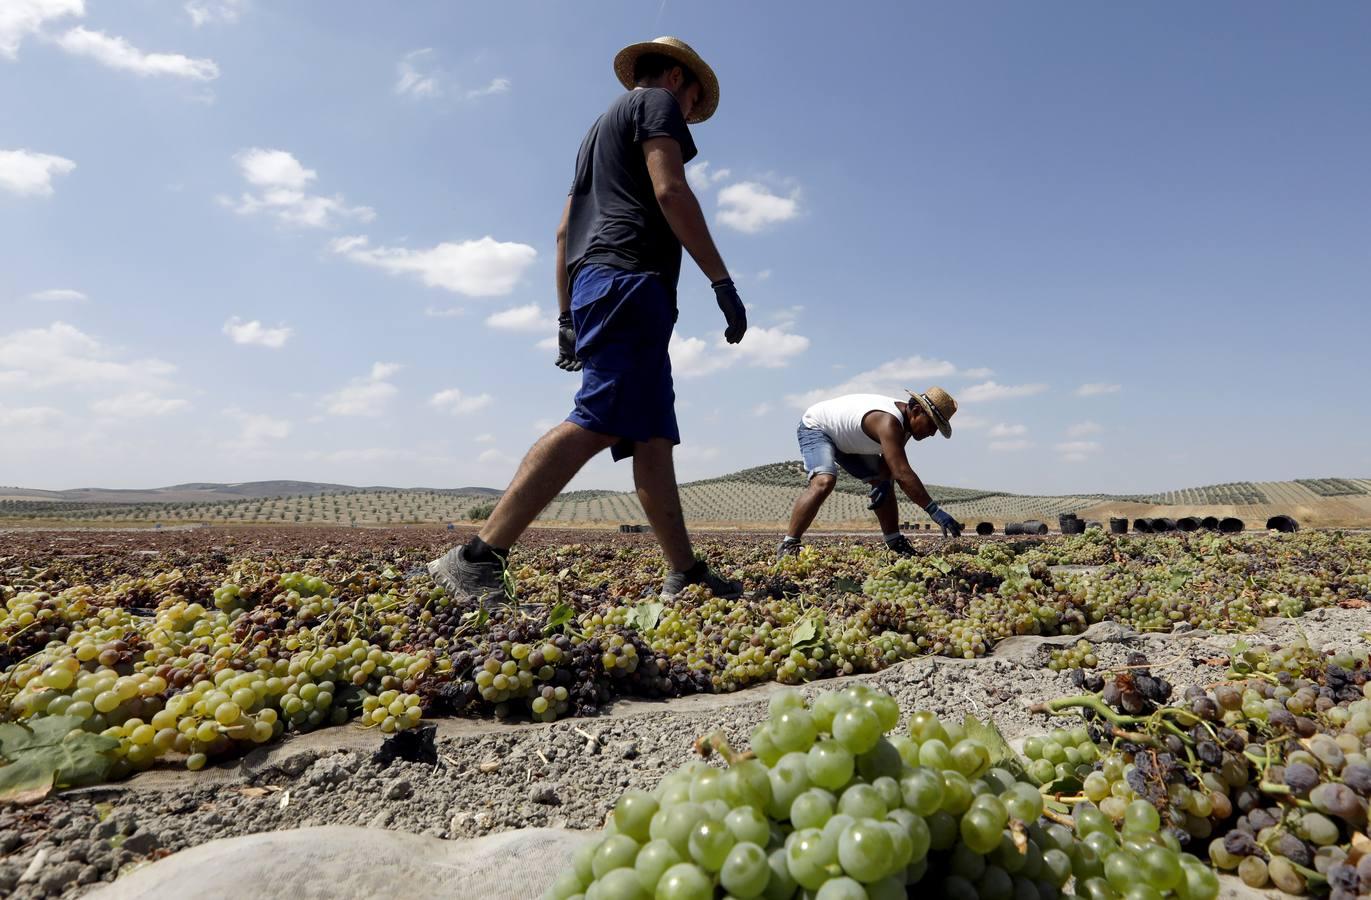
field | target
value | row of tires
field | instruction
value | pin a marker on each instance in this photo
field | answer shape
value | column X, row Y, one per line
column 1072, row 525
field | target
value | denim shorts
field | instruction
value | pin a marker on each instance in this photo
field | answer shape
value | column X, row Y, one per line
column 822, row 456
column 623, row 325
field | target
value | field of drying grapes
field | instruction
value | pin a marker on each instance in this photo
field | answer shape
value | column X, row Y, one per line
column 227, row 681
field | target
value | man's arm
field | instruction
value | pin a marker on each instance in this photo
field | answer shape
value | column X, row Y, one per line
column 888, row 430
column 563, row 285
column 679, row 206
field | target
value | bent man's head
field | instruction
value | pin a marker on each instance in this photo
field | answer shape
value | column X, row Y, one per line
column 929, row 411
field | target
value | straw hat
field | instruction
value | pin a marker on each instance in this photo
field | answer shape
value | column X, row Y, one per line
column 680, row 51
column 939, row 405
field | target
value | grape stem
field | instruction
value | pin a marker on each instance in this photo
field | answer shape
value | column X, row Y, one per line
column 718, row 743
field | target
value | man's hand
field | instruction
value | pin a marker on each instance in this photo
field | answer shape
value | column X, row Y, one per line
column 944, row 519
column 732, row 305
column 566, row 344
column 879, row 491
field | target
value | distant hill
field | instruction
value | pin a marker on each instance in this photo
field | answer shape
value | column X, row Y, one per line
column 759, row 495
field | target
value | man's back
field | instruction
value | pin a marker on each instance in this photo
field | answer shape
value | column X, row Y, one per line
column 614, row 218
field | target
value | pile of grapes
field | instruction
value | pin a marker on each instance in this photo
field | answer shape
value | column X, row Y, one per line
column 1267, row 774
column 194, row 656
column 1079, row 655
column 831, row 803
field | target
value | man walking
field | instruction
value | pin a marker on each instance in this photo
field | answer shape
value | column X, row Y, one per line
column 866, row 435
column 629, row 212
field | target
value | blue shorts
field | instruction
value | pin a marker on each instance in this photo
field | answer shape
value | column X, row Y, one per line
column 822, row 456
column 623, row 325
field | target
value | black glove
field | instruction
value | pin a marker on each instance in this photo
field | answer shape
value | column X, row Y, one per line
column 566, row 344
column 734, row 312
column 879, row 491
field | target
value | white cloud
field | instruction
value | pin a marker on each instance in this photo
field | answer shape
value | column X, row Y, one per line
column 761, row 409
column 1077, row 451
column 540, row 426
column 417, row 76
column 788, row 315
column 255, row 332
column 486, row 438
column 62, row 355
column 1095, row 388
column 444, row 312
column 455, row 402
column 27, row 416
column 989, row 390
column 701, row 178
column 1004, row 431
column 214, row 12
column 57, row 295
column 117, row 53
column 30, row 174
column 1081, row 429
column 495, row 86
column 368, row 395
column 20, row 18
column 480, row 268
column 976, row 373
column 283, row 180
column 750, row 207
column 254, row 430
column 889, row 378
column 493, row 456
column 138, row 405
column 765, row 275
column 1010, row 446
column 522, row 318
column 765, row 348
column 967, row 422
column 547, row 343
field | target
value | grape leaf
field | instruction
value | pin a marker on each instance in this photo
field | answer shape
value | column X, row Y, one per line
column 48, row 752
column 1001, row 754
column 645, row 616
column 558, row 616
column 847, row 585
column 807, row 631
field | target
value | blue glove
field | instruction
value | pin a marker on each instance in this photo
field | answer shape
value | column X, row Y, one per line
column 879, row 491
column 944, row 519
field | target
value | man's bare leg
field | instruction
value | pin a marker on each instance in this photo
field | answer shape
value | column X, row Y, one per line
column 654, row 476
column 888, row 514
column 807, row 505
column 547, row 467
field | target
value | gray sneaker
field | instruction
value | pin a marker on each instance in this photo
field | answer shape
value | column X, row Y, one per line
column 701, row 574
column 464, row 579
column 788, row 547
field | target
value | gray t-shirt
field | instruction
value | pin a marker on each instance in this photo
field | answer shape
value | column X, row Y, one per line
column 615, row 219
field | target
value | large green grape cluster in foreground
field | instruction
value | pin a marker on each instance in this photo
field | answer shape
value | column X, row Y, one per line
column 833, row 803
column 192, row 657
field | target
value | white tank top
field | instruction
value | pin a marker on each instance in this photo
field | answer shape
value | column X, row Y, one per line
column 841, row 419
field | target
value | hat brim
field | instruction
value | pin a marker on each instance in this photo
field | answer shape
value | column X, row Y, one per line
column 625, row 59
column 944, row 426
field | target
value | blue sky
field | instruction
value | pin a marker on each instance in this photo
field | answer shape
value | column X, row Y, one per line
column 249, row 240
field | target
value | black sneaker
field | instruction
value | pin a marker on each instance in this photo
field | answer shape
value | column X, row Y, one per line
column 701, row 574
column 464, row 579
column 788, row 547
column 900, row 545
